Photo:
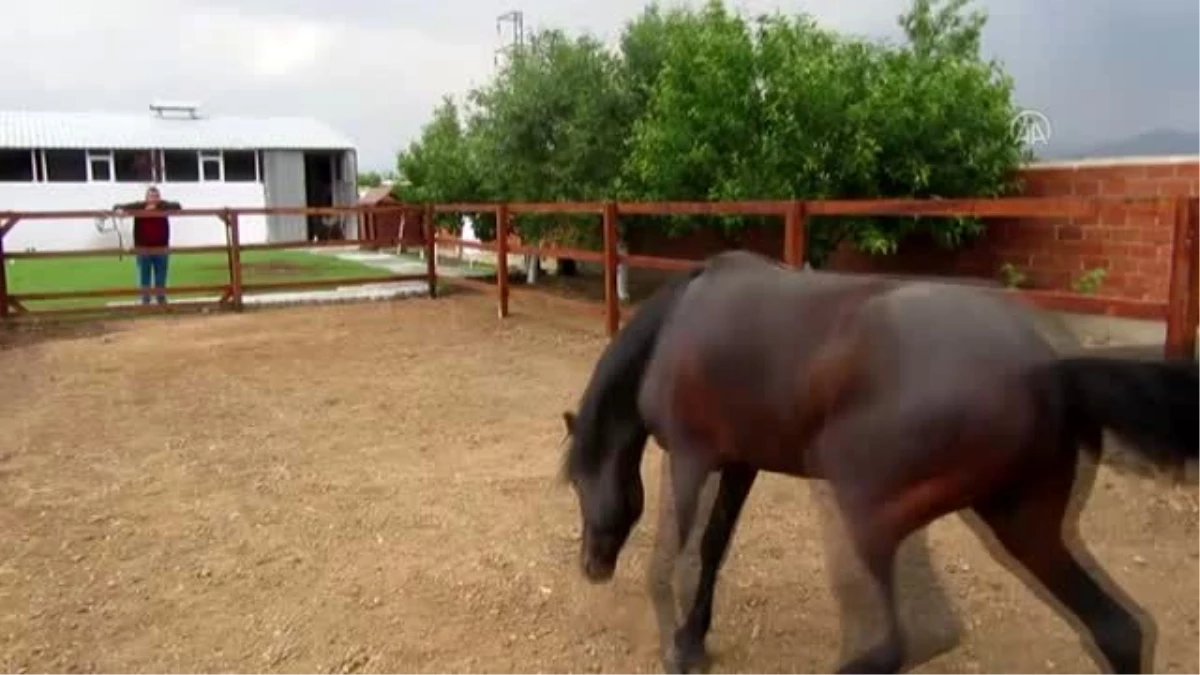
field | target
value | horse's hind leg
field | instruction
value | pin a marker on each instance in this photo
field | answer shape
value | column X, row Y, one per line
column 878, row 517
column 877, row 543
column 1028, row 521
column 927, row 613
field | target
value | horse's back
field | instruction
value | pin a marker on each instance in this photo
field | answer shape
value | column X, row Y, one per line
column 736, row 346
column 744, row 302
column 944, row 328
column 746, row 309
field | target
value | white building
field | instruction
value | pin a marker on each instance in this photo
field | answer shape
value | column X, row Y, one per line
column 65, row 161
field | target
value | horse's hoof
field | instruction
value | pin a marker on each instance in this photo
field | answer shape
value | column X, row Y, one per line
column 928, row 647
column 687, row 658
column 884, row 658
column 671, row 665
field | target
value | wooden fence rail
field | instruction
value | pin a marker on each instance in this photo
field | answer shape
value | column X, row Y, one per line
column 1180, row 311
column 231, row 293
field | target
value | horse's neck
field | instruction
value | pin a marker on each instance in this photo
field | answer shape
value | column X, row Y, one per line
column 612, row 395
column 626, row 457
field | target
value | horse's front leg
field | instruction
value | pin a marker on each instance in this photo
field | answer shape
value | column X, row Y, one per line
column 680, row 499
column 736, row 481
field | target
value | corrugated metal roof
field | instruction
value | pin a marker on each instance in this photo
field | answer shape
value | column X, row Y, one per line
column 35, row 129
column 375, row 195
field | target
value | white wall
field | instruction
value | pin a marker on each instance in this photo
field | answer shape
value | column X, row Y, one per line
column 80, row 233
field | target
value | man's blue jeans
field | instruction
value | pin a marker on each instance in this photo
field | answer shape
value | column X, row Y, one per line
column 153, row 265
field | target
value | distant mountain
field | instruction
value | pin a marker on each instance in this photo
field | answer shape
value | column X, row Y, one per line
column 1152, row 143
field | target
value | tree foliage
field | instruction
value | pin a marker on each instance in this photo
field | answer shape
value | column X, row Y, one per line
column 550, row 127
column 706, row 103
column 370, row 179
column 440, row 166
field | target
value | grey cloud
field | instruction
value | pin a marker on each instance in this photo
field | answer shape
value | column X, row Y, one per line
column 1101, row 69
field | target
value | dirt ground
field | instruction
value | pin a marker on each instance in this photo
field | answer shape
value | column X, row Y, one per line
column 370, row 488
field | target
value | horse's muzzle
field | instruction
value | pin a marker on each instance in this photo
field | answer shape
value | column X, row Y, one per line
column 598, row 564
column 597, row 571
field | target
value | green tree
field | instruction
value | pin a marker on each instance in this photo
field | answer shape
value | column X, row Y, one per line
column 791, row 110
column 819, row 107
column 703, row 104
column 370, row 179
column 702, row 113
column 643, row 52
column 550, row 127
column 944, row 118
column 439, row 166
column 943, row 29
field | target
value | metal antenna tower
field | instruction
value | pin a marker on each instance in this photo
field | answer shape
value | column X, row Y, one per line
column 517, row 40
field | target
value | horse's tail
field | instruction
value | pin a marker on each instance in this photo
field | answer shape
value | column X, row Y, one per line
column 1150, row 405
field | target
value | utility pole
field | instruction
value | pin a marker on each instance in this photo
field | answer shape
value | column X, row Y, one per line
column 517, row 40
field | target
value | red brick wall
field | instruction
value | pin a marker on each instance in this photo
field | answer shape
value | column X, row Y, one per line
column 1132, row 242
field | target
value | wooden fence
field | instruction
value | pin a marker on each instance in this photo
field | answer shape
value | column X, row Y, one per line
column 1179, row 312
column 230, row 294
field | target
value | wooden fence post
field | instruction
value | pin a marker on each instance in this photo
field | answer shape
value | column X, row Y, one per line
column 235, row 258
column 1182, row 312
column 502, row 257
column 612, row 309
column 793, row 234
column 367, row 235
column 430, row 250
column 4, row 228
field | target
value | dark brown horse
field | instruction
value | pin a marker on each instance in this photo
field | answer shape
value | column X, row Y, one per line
column 912, row 400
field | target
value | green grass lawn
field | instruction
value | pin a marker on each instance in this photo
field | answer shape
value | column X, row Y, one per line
column 186, row 269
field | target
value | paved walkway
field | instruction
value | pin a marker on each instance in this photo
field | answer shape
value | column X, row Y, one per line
column 396, row 264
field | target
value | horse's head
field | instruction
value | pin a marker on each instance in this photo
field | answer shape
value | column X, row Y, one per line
column 603, row 466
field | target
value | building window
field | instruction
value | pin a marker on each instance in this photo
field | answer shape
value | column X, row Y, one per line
column 65, row 166
column 17, row 166
column 100, row 166
column 241, row 166
column 134, row 166
column 211, row 166
column 188, row 166
column 180, row 166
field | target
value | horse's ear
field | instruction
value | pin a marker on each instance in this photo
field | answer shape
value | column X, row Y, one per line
column 569, row 422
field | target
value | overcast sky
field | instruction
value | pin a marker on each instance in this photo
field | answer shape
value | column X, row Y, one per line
column 1099, row 69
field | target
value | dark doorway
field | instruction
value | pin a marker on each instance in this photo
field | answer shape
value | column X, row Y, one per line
column 320, row 175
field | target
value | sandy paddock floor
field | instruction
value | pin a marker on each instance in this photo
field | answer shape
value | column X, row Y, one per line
column 369, row 488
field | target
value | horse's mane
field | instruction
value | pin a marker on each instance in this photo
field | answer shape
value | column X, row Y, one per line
column 616, row 378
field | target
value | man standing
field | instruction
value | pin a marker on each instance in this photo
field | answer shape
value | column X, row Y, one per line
column 151, row 232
